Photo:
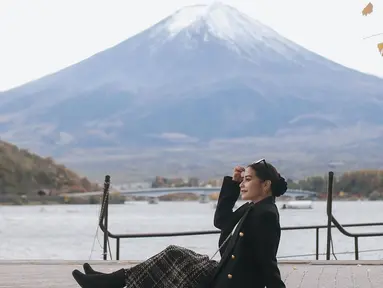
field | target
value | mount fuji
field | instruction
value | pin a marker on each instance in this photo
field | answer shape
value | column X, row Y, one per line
column 206, row 85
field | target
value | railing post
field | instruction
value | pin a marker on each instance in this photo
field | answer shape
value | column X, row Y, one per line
column 117, row 248
column 356, row 243
column 105, row 211
column 317, row 244
column 329, row 212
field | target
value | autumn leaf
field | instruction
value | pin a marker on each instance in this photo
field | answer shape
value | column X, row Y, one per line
column 368, row 9
column 380, row 48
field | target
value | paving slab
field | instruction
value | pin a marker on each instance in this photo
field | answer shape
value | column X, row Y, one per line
column 296, row 274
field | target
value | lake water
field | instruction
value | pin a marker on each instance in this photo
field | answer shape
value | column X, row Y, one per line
column 67, row 232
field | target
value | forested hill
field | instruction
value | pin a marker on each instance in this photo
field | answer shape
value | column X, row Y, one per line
column 364, row 183
column 25, row 173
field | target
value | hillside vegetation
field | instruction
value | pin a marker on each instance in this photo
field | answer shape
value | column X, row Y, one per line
column 25, row 173
column 361, row 183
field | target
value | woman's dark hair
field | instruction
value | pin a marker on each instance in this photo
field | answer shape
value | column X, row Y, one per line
column 266, row 171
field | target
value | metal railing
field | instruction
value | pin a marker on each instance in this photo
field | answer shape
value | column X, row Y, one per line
column 331, row 219
column 103, row 223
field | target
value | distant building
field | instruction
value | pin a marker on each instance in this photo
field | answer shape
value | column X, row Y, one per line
column 193, row 182
column 133, row 185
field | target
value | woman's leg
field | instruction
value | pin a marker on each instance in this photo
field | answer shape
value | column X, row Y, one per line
column 174, row 267
column 112, row 280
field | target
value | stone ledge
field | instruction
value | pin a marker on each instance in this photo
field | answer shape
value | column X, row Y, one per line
column 134, row 262
column 298, row 274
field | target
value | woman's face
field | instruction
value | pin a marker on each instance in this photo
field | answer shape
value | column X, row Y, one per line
column 253, row 188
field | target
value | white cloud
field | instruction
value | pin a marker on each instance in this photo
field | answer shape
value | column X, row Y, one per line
column 176, row 137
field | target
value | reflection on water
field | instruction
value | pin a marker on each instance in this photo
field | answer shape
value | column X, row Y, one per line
column 67, row 232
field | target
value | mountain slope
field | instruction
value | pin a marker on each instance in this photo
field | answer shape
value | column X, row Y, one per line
column 203, row 75
column 22, row 172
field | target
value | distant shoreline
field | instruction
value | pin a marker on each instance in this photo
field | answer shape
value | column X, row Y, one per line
column 49, row 203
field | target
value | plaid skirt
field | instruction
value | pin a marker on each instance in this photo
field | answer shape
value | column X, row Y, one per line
column 174, row 267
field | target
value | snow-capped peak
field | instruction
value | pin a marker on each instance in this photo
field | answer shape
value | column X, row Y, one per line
column 223, row 22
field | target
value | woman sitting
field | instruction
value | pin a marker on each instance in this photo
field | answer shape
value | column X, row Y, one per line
column 248, row 243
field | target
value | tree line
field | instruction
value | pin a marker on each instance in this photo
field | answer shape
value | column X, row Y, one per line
column 362, row 182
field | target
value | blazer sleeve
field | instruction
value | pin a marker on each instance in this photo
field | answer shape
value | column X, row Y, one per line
column 227, row 197
column 265, row 238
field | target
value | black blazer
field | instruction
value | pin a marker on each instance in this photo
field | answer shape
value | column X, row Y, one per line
column 248, row 259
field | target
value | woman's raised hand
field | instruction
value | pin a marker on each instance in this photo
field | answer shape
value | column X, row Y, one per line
column 237, row 174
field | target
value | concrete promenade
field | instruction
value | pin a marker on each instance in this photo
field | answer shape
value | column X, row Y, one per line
column 296, row 274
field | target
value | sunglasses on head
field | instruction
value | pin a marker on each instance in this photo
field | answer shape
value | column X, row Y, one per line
column 264, row 163
column 260, row 161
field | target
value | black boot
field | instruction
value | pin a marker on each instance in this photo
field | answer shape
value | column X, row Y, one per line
column 89, row 270
column 112, row 280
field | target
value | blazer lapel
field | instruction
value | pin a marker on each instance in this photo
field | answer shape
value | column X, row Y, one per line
column 237, row 217
column 234, row 237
